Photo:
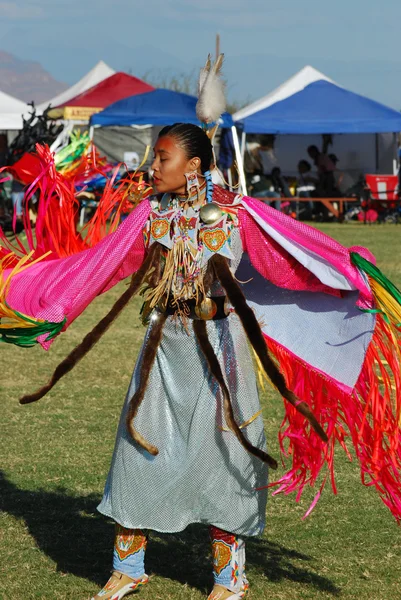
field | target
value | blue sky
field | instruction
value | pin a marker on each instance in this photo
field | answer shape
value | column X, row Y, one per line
column 355, row 42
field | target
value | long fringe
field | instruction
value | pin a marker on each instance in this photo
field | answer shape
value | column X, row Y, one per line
column 94, row 336
column 148, row 358
column 15, row 327
column 56, row 233
column 369, row 416
column 58, row 205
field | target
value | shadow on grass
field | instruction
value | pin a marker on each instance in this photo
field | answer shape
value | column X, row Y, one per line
column 69, row 530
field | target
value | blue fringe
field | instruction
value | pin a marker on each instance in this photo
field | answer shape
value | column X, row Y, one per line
column 209, row 186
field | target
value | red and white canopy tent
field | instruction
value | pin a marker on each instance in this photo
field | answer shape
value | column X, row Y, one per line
column 112, row 89
column 99, row 72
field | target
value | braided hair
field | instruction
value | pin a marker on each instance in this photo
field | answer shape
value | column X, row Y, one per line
column 193, row 140
column 195, row 143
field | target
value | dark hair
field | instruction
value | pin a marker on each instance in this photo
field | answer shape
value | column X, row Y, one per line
column 305, row 164
column 314, row 149
column 193, row 140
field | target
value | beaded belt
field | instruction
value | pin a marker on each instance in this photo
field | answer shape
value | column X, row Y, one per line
column 213, row 308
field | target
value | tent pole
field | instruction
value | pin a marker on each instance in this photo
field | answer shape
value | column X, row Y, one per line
column 230, row 180
column 243, row 145
column 62, row 138
column 239, row 160
column 395, row 155
column 377, row 152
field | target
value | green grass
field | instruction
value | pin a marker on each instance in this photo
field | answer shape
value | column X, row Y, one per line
column 55, row 456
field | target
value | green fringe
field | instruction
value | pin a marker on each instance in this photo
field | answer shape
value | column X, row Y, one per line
column 26, row 337
column 371, row 270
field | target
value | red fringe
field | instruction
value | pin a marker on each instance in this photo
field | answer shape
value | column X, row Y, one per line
column 58, row 209
column 368, row 415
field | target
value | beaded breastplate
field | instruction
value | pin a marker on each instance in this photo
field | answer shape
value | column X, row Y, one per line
column 189, row 244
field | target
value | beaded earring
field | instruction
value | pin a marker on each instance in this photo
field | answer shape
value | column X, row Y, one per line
column 192, row 181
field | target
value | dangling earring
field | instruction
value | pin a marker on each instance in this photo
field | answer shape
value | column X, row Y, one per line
column 192, row 181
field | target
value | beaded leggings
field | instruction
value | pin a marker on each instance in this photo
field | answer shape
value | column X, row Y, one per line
column 228, row 552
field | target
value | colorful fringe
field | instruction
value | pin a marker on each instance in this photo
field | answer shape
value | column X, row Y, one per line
column 56, row 233
column 387, row 295
column 66, row 159
column 15, row 327
column 369, row 414
column 56, row 228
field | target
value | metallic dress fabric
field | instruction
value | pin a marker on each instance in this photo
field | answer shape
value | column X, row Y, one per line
column 202, row 474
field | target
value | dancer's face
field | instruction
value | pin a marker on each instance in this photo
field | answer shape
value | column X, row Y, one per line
column 170, row 165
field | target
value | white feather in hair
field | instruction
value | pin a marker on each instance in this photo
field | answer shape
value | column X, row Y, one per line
column 211, row 101
column 204, row 72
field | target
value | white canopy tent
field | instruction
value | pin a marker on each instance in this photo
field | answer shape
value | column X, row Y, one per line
column 295, row 84
column 99, row 72
column 357, row 152
column 11, row 112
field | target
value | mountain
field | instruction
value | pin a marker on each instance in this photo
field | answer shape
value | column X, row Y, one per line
column 27, row 80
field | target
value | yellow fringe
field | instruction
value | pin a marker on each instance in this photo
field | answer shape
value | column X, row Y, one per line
column 248, row 422
column 386, row 302
column 392, row 310
column 261, row 373
column 13, row 318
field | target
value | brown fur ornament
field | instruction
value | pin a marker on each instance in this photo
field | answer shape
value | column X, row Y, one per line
column 148, row 358
column 214, row 365
column 91, row 338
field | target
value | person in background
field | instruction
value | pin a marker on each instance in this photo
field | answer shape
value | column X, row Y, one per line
column 306, row 188
column 259, row 185
column 264, row 175
column 280, row 183
column 306, row 182
column 267, row 153
column 343, row 180
column 17, row 197
column 325, row 167
column 252, row 158
column 6, row 218
column 278, row 188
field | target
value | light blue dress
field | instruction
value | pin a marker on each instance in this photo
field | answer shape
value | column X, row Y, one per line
column 202, row 474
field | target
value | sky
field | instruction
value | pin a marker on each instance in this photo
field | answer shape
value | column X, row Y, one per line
column 354, row 42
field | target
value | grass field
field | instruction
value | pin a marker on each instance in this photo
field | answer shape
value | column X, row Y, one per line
column 55, row 456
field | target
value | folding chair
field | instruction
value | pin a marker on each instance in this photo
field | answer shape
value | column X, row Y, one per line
column 383, row 187
column 384, row 195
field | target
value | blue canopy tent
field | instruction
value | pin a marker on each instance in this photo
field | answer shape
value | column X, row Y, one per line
column 159, row 107
column 310, row 104
column 323, row 107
